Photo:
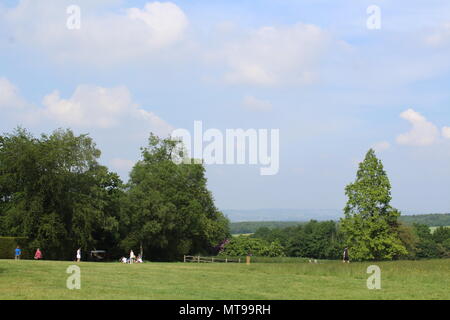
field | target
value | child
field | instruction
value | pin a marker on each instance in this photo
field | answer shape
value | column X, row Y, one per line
column 18, row 253
column 38, row 255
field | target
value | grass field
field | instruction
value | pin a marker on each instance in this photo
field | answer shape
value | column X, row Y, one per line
column 434, row 228
column 271, row 281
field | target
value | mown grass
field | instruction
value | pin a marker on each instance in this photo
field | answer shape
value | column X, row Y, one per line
column 267, row 259
column 198, row 281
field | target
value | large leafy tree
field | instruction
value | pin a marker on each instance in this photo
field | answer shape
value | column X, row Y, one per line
column 53, row 191
column 370, row 225
column 171, row 211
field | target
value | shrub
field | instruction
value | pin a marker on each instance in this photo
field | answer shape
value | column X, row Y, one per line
column 241, row 246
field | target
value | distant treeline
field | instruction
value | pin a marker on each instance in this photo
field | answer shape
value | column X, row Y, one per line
column 431, row 220
column 252, row 226
column 325, row 240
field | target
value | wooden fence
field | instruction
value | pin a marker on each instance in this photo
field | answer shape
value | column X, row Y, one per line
column 199, row 259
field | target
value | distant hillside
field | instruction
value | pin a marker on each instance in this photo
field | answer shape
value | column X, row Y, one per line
column 252, row 226
column 432, row 220
column 282, row 214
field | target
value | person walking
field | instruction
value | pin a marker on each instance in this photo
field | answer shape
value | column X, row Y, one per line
column 17, row 253
column 346, row 258
column 38, row 255
column 78, row 254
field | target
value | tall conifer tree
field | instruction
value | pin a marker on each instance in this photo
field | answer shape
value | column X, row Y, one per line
column 370, row 225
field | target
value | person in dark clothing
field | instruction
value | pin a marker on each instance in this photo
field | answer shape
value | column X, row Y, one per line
column 346, row 257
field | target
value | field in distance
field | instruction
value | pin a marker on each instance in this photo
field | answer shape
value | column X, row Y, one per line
column 434, row 228
column 261, row 281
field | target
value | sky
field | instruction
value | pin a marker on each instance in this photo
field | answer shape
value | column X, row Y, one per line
column 336, row 78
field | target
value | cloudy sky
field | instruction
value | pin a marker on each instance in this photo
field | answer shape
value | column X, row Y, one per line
column 312, row 69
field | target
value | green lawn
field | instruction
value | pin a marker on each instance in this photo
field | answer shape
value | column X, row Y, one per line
column 328, row 280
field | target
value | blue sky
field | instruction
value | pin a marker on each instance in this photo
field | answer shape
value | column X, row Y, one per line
column 312, row 69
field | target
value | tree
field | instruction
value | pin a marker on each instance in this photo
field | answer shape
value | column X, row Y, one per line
column 441, row 234
column 432, row 245
column 409, row 239
column 171, row 212
column 54, row 192
column 370, row 225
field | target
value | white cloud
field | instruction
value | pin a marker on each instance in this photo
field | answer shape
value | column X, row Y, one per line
column 9, row 96
column 102, row 39
column 253, row 104
column 166, row 22
column 109, row 115
column 97, row 107
column 423, row 132
column 275, row 55
column 89, row 107
column 446, row 132
column 381, row 146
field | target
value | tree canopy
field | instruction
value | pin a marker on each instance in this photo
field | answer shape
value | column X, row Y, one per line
column 171, row 212
column 54, row 192
column 370, row 225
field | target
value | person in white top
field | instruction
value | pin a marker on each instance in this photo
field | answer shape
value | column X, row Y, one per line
column 78, row 254
column 132, row 256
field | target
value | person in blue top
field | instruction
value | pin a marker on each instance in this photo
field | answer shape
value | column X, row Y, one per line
column 18, row 253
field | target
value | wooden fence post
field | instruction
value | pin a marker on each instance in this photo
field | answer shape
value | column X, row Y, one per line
column 184, row 258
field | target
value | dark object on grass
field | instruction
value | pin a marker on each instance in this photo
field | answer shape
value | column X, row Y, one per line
column 97, row 255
